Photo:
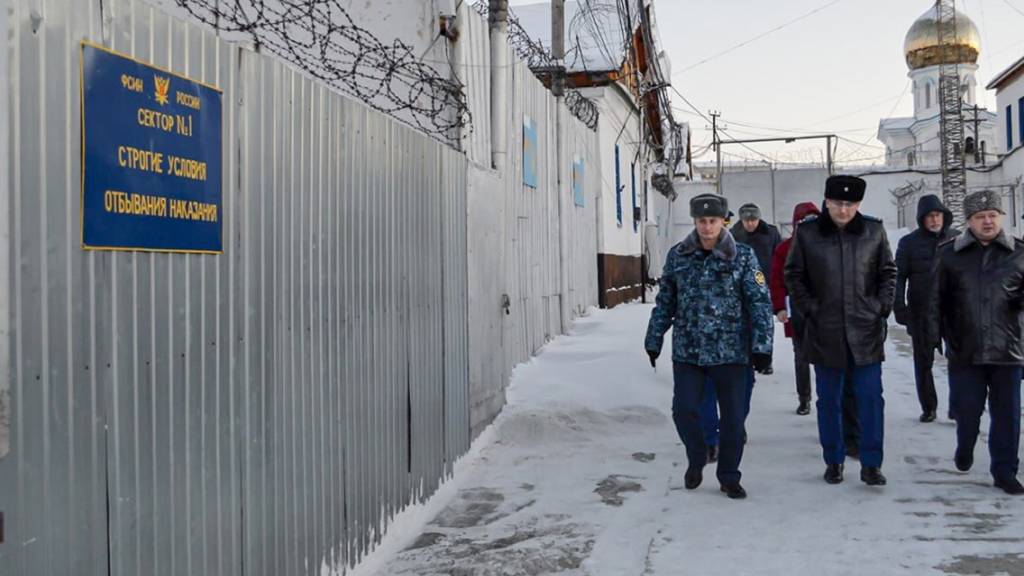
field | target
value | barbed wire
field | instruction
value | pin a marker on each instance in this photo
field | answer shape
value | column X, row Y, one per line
column 320, row 37
column 582, row 108
column 539, row 59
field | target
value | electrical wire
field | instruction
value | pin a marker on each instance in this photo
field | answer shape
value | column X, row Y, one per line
column 760, row 36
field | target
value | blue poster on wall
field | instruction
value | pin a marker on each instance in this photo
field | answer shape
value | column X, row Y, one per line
column 529, row 152
column 577, row 181
column 151, row 157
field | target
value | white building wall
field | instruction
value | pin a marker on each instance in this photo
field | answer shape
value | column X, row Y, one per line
column 619, row 125
column 1009, row 95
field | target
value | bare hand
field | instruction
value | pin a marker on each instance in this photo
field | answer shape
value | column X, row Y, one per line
column 782, row 316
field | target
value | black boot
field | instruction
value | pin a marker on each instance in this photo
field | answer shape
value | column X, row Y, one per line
column 834, row 473
column 712, row 453
column 872, row 476
column 805, row 407
column 734, row 491
column 693, row 478
column 963, row 461
column 1010, row 485
column 928, row 416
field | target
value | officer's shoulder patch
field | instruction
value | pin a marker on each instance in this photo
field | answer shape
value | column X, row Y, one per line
column 759, row 278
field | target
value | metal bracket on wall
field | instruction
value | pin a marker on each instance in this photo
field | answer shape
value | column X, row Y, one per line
column 506, row 304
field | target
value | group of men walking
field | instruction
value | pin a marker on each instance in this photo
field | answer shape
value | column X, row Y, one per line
column 834, row 284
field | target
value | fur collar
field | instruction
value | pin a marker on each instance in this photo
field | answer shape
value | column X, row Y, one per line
column 828, row 226
column 724, row 250
column 967, row 239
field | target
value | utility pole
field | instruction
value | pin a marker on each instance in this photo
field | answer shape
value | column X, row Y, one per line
column 828, row 146
column 715, row 114
column 558, row 47
column 978, row 159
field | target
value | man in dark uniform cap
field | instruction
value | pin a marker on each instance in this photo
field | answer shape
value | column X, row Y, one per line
column 715, row 299
column 975, row 306
column 841, row 277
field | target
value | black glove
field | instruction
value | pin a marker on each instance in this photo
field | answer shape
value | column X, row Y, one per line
column 762, row 363
column 903, row 316
column 653, row 355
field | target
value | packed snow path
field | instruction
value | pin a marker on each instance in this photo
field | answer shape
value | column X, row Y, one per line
column 583, row 474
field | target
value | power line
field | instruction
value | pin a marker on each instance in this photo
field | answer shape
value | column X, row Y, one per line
column 891, row 112
column 1014, row 8
column 760, row 36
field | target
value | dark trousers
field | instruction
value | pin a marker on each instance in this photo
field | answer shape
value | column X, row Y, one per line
column 709, row 409
column 851, row 427
column 866, row 384
column 924, row 359
column 969, row 387
column 803, row 368
column 730, row 384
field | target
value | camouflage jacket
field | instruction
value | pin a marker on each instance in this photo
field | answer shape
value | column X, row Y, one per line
column 716, row 303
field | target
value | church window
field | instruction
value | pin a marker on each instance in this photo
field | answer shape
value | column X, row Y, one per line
column 969, row 145
column 928, row 95
column 910, row 159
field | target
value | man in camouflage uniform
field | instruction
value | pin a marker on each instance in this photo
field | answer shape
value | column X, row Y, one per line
column 715, row 298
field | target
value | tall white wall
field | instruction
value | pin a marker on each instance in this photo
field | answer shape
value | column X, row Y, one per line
column 515, row 230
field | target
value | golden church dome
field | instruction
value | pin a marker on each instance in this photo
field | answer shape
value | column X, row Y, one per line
column 922, row 44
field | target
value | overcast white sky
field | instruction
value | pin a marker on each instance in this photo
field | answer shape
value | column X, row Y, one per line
column 837, row 71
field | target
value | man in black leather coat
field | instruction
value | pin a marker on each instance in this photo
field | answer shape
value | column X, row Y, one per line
column 842, row 279
column 975, row 306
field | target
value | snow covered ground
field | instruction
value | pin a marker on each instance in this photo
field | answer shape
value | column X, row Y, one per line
column 582, row 474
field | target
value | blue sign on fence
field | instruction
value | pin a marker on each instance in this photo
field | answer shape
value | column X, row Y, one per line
column 578, row 170
column 529, row 152
column 151, row 157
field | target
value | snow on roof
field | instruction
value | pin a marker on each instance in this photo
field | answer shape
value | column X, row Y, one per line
column 594, row 39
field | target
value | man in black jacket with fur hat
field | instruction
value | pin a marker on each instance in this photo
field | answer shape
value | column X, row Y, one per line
column 842, row 279
column 976, row 306
column 914, row 258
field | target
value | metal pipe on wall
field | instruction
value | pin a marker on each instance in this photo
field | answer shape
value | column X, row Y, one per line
column 5, row 239
column 558, row 89
column 497, row 17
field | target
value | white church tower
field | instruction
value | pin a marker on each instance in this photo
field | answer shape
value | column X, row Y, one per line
column 914, row 142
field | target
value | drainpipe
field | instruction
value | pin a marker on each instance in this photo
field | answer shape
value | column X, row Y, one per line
column 561, row 156
column 497, row 18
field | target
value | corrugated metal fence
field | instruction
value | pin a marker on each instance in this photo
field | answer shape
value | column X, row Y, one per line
column 514, row 230
column 260, row 412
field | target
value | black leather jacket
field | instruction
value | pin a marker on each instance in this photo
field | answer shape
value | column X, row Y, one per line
column 843, row 281
column 976, row 299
